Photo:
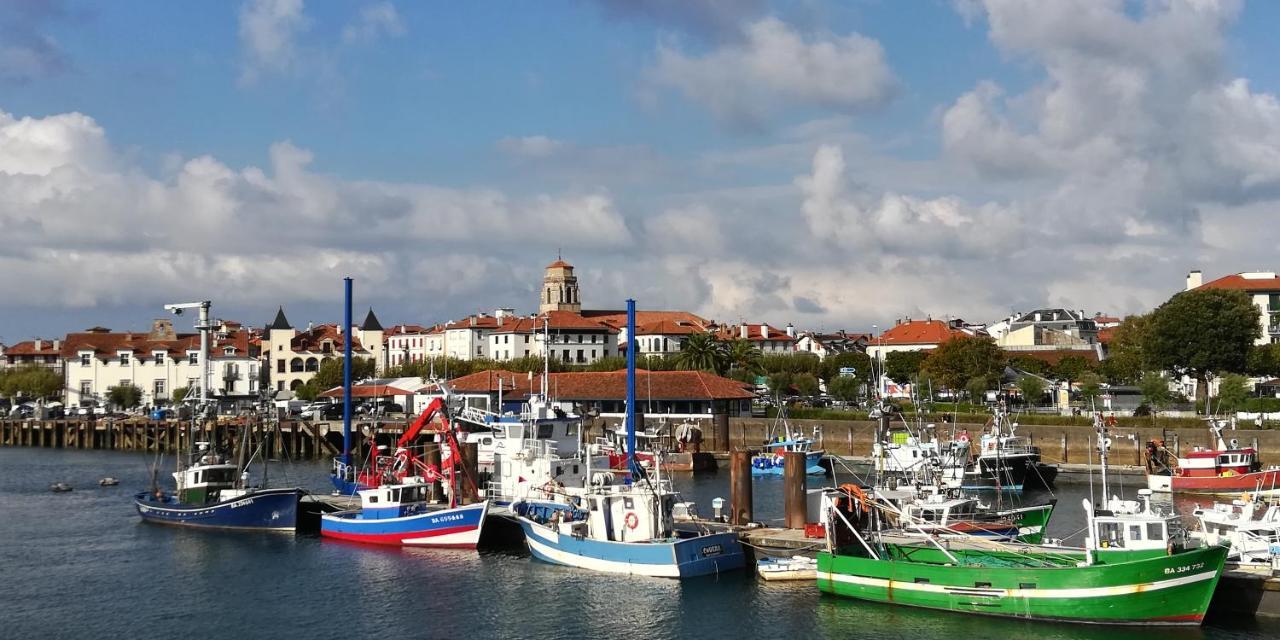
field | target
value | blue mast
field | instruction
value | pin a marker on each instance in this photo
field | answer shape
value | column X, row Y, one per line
column 346, row 375
column 631, row 391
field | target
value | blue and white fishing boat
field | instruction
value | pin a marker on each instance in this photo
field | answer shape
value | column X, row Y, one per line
column 628, row 529
column 784, row 439
column 212, row 494
column 401, row 515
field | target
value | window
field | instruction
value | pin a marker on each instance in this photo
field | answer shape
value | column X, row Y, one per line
column 84, row 359
column 479, row 350
column 125, row 383
column 159, row 358
column 1155, row 531
column 581, row 358
column 193, row 358
column 124, row 359
column 627, row 503
column 1109, row 535
column 1135, row 532
column 86, row 387
column 579, row 338
column 279, row 366
column 157, row 389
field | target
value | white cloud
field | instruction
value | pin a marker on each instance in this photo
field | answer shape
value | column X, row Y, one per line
column 375, row 20
column 538, row 146
column 745, row 82
column 268, row 33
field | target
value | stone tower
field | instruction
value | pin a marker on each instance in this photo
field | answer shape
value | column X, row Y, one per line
column 560, row 289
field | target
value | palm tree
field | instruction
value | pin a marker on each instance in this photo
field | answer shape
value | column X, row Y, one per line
column 702, row 352
column 741, row 354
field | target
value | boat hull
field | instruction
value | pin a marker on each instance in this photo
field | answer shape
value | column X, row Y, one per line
column 1238, row 483
column 678, row 558
column 264, row 510
column 1157, row 590
column 813, row 465
column 456, row 528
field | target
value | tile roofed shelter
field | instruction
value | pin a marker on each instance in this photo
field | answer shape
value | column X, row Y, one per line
column 1262, row 287
column 680, row 393
column 38, row 352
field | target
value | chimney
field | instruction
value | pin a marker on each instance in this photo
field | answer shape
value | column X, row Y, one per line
column 471, row 321
column 764, row 330
column 57, row 344
column 743, row 331
column 38, row 342
column 1037, row 316
column 791, row 330
column 1194, row 279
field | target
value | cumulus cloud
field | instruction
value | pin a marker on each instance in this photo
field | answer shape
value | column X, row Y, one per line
column 374, row 21
column 744, row 83
column 268, row 34
column 88, row 226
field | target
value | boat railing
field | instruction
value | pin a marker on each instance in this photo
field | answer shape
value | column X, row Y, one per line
column 344, row 470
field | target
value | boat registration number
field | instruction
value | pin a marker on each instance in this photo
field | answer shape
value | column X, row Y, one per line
column 1185, row 568
column 712, row 550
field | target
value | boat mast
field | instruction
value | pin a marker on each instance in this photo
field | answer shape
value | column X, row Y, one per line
column 631, row 390
column 1100, row 425
column 346, row 372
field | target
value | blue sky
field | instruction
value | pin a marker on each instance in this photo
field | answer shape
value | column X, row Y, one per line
column 831, row 164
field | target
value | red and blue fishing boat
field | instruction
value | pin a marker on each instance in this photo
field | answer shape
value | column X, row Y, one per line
column 401, row 515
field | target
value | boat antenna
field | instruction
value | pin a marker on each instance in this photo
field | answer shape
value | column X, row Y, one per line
column 632, row 467
column 346, row 372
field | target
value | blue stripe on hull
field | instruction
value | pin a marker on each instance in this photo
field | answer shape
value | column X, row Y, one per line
column 269, row 509
column 680, row 558
column 469, row 516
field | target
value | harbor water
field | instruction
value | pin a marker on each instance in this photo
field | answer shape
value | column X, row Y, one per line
column 82, row 565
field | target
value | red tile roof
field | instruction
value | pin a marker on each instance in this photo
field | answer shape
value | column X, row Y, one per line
column 1240, row 283
column 608, row 385
column 1107, row 334
column 1052, row 357
column 559, row 264
column 367, row 391
column 28, row 348
column 106, row 345
column 311, row 339
column 618, row 319
column 734, row 332
column 919, row 332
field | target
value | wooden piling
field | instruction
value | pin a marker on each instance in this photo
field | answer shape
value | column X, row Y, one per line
column 431, row 457
column 470, row 486
column 794, row 466
column 740, row 503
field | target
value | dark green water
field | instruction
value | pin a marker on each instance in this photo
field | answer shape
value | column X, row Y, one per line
column 81, row 565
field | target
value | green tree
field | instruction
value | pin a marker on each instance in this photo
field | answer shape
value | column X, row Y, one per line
column 856, row 360
column 1264, row 360
column 903, row 366
column 844, row 388
column 1030, row 365
column 702, row 352
column 1201, row 331
column 806, row 384
column 180, row 394
column 780, row 383
column 33, row 382
column 958, row 361
column 741, row 354
column 330, row 373
column 308, row 391
column 1070, row 368
column 1155, row 390
column 1126, row 351
column 1233, row 391
column 125, row 396
column 614, row 363
column 977, row 387
column 1032, row 389
column 1090, row 388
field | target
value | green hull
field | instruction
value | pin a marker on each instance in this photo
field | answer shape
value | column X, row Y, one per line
column 1157, row 590
column 1031, row 521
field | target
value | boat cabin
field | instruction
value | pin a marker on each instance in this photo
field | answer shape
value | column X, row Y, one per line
column 629, row 514
column 1208, row 463
column 395, row 500
column 1132, row 525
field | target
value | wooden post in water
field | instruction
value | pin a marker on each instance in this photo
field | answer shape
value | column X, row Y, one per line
column 1064, row 446
column 740, row 487
column 470, row 482
column 794, row 465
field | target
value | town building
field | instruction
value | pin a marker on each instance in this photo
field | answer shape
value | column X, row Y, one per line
column 405, row 343
column 1263, row 287
column 560, row 289
column 827, row 344
column 770, row 340
column 913, row 335
column 32, row 353
column 293, row 357
column 1047, row 330
column 158, row 362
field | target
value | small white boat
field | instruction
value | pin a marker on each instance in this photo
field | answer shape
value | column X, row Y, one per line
column 793, row 568
column 1250, row 527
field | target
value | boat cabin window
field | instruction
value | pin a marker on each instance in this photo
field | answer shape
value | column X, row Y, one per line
column 1155, row 531
column 198, row 475
column 545, row 431
column 373, row 499
column 1135, row 532
column 575, row 469
column 571, row 429
column 627, row 503
column 394, row 496
column 1110, row 534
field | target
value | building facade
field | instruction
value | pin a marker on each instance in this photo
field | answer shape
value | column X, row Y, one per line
column 32, row 353
column 293, row 357
column 1263, row 287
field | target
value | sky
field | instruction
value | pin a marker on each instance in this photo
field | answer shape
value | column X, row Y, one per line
column 835, row 165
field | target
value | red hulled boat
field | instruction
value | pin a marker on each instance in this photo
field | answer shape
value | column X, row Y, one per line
column 1227, row 468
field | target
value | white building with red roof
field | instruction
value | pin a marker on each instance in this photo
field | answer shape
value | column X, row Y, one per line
column 1263, row 287
column 913, row 335
column 32, row 353
column 827, row 344
column 770, row 340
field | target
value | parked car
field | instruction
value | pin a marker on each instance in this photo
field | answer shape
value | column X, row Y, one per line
column 331, row 411
column 313, row 410
column 379, row 407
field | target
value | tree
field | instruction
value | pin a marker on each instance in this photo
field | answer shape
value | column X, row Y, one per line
column 1126, row 351
column 30, row 382
column 904, row 366
column 1032, row 389
column 806, row 384
column 180, row 394
column 1200, row 331
column 844, row 388
column 1155, row 390
column 613, row 363
column 702, row 352
column 1233, row 391
column 1264, row 360
column 977, row 387
column 1090, row 387
column 308, row 391
column 1030, row 365
column 959, row 360
column 125, row 396
column 1070, row 368
column 741, row 354
column 780, row 383
column 330, row 373
column 860, row 363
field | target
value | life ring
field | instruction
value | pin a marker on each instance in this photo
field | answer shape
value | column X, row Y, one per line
column 632, row 520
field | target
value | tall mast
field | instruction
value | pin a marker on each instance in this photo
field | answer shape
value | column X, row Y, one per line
column 346, row 373
column 631, row 389
column 1100, row 425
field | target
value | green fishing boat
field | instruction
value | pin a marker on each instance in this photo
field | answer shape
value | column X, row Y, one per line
column 1138, row 565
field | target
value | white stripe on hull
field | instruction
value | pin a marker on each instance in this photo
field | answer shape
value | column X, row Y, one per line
column 596, row 564
column 1090, row 592
column 469, row 538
